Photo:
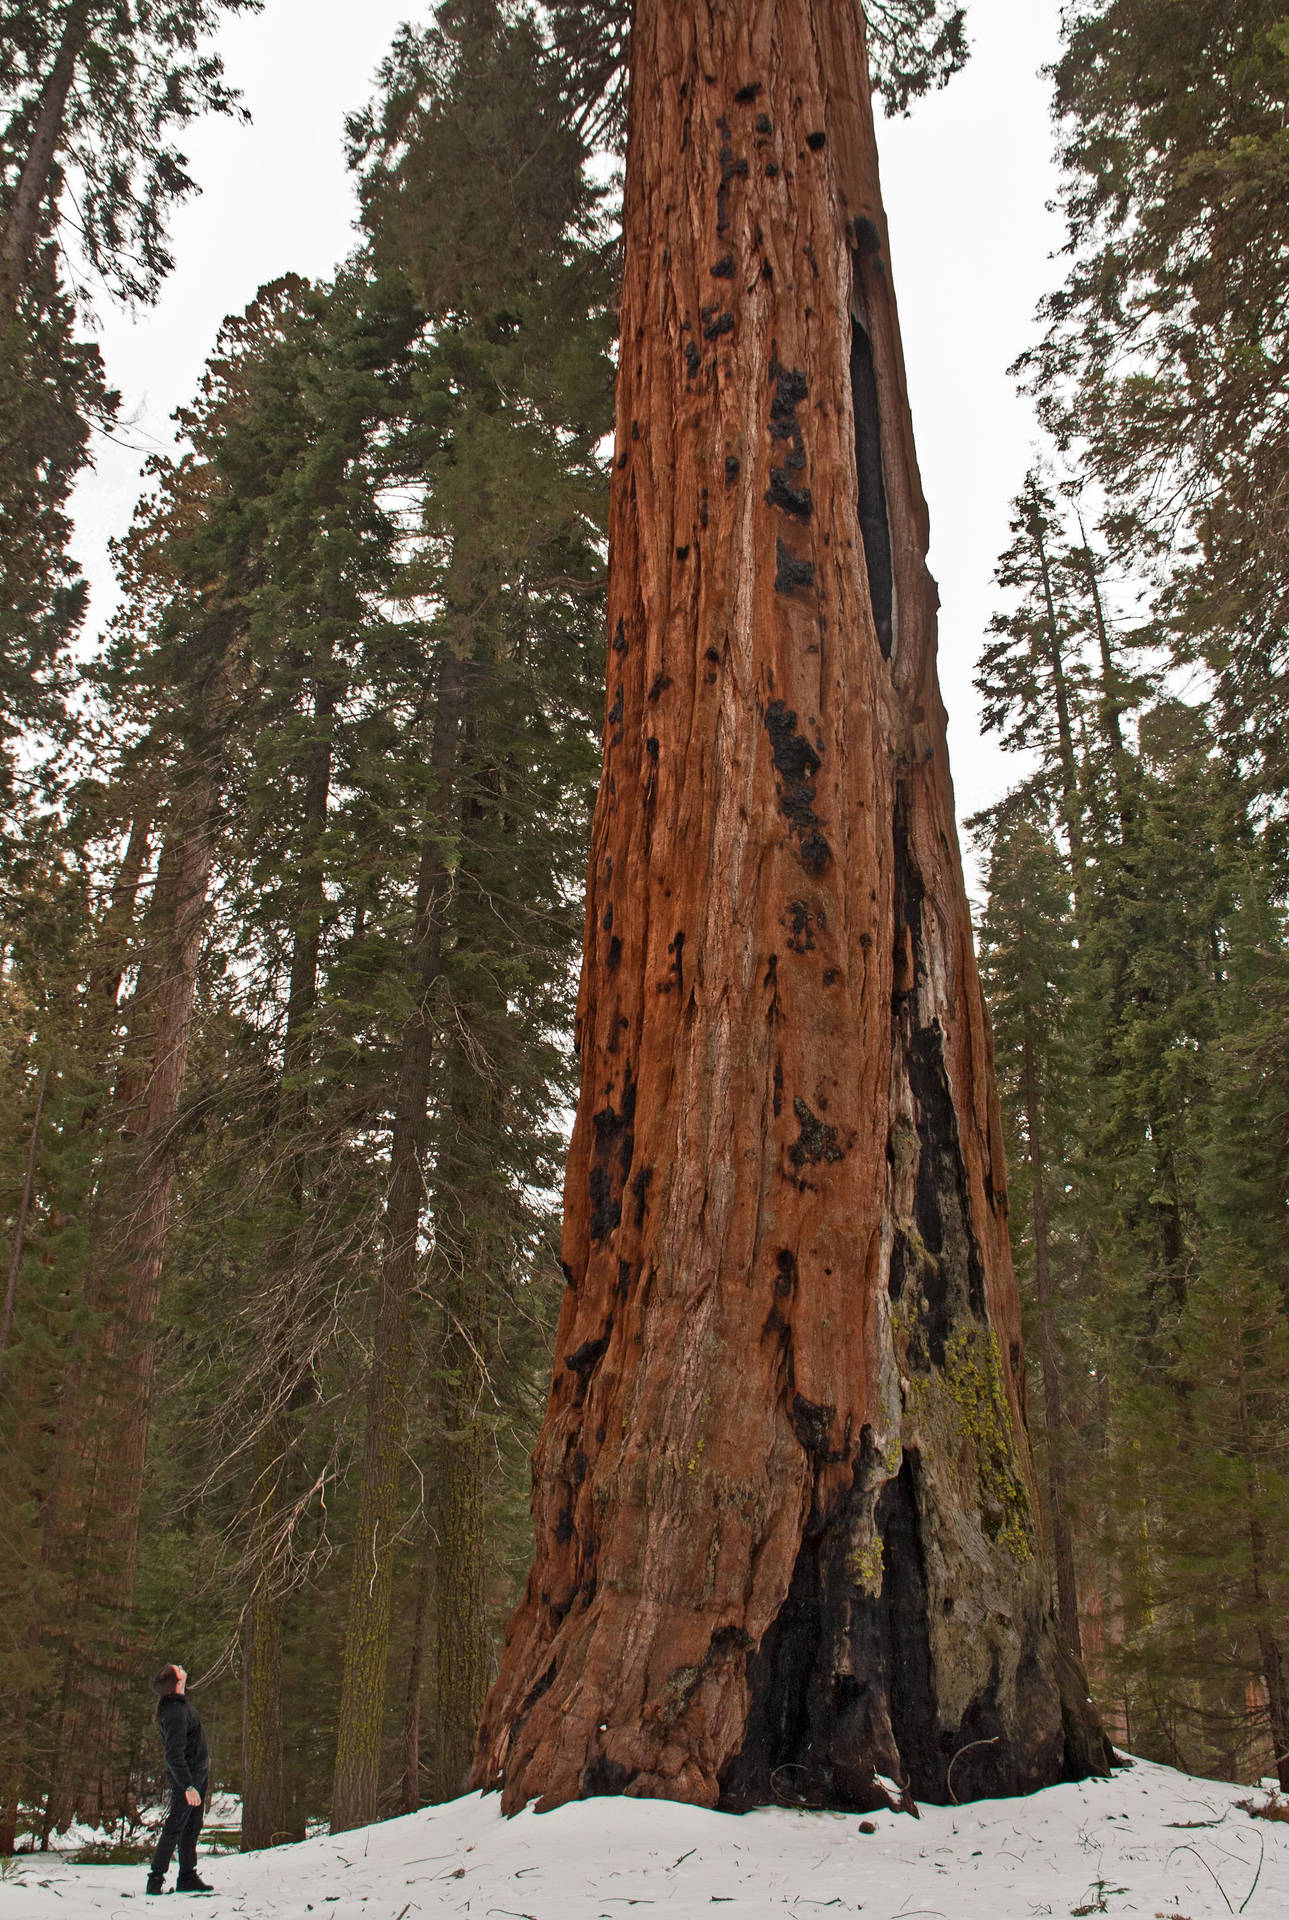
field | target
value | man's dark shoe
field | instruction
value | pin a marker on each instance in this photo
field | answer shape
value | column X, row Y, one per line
column 192, row 1883
column 156, row 1883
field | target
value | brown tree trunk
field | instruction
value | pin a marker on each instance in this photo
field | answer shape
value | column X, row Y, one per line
column 461, row 1649
column 1067, row 1591
column 264, row 1821
column 786, row 1544
column 356, row 1786
column 23, row 223
column 95, row 1510
column 20, row 1224
column 1071, row 798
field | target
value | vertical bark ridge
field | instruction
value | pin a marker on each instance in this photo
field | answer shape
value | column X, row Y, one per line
column 783, row 1496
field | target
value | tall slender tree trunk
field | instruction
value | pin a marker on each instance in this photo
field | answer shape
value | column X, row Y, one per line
column 263, row 1789
column 23, row 223
column 95, row 1508
column 1071, row 796
column 1067, row 1591
column 20, row 1224
column 461, row 1650
column 409, row 1798
column 786, row 1544
column 356, row 1787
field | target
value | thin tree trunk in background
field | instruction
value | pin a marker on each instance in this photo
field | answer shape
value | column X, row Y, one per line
column 20, row 1224
column 95, row 1508
column 356, row 1789
column 461, row 1649
column 410, row 1793
column 786, row 1539
column 23, row 224
column 1071, row 799
column 263, row 1792
column 1067, row 1592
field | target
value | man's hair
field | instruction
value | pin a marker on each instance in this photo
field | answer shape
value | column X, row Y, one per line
column 165, row 1685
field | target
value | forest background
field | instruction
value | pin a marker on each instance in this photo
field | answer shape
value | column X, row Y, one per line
column 290, row 884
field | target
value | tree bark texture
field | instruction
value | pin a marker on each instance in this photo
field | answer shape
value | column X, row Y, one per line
column 784, row 1501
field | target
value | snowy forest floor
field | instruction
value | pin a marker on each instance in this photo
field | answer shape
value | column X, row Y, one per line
column 1148, row 1842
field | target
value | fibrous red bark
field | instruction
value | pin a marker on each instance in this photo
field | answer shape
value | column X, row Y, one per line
column 784, row 1502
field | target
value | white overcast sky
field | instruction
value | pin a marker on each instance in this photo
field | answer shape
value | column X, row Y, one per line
column 967, row 179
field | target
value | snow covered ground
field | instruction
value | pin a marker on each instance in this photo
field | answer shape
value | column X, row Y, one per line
column 1149, row 1842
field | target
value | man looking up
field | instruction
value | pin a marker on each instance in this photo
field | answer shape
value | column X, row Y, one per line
column 183, row 1739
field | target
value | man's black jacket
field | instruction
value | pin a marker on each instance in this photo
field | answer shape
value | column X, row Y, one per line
column 184, row 1739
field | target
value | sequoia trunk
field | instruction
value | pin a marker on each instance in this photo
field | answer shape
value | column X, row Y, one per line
column 786, row 1544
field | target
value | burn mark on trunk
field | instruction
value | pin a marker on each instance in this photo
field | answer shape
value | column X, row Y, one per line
column 693, row 360
column 816, row 1141
column 797, row 763
column 937, row 1249
column 789, row 499
column 714, row 323
column 731, row 169
column 874, row 525
column 611, row 1163
column 792, row 574
column 639, row 1192
column 842, row 1686
column 801, row 923
column 677, row 950
column 585, row 1359
column 723, row 269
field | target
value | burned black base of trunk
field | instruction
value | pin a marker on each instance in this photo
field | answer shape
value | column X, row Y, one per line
column 844, row 1711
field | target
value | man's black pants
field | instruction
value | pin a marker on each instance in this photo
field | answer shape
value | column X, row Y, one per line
column 183, row 1824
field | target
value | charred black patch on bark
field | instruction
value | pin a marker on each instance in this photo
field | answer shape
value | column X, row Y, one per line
column 789, row 499
column 619, row 639
column 677, row 950
column 639, row 1192
column 607, row 921
column 800, row 923
column 614, row 1148
column 748, row 93
column 790, row 389
column 605, row 1776
column 842, row 1686
column 693, row 359
column 785, row 1277
column 563, row 1527
column 715, row 324
column 874, row 523
column 583, row 1361
column 625, row 1273
column 615, row 714
column 812, row 1425
column 613, row 958
column 542, row 1684
column 763, row 123
column 731, row 169
column 723, row 269
column 731, row 469
column 792, row 574
column 816, row 1141
column 797, row 763
column 815, row 141
column 940, row 1254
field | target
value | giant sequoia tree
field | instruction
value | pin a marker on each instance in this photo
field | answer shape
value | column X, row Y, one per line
column 784, row 1499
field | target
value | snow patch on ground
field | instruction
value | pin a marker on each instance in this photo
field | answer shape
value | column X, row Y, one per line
column 1149, row 1842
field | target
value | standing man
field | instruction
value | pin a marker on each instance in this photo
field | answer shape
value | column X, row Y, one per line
column 188, row 1763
